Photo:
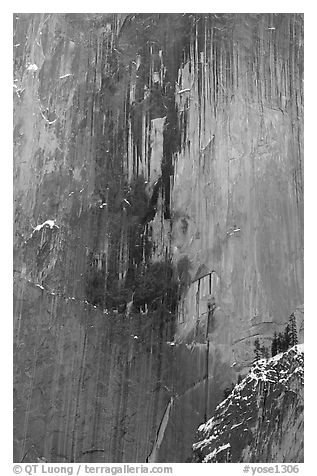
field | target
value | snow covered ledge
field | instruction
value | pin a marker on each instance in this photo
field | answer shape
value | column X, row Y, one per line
column 266, row 406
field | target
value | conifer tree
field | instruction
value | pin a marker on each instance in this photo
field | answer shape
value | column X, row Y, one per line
column 264, row 352
column 293, row 330
column 287, row 337
column 280, row 343
column 257, row 349
column 283, row 341
column 274, row 349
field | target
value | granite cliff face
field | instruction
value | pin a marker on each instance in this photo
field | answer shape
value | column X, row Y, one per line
column 158, row 222
column 262, row 420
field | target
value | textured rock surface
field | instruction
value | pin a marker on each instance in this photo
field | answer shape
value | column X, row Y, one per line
column 166, row 138
column 262, row 419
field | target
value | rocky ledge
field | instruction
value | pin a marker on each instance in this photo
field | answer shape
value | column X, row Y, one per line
column 262, row 419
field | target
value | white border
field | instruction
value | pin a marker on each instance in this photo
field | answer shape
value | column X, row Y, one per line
column 310, row 188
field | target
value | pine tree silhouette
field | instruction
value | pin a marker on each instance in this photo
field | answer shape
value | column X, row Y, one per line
column 274, row 346
column 293, row 330
column 287, row 337
column 264, row 352
column 257, row 349
column 281, row 342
